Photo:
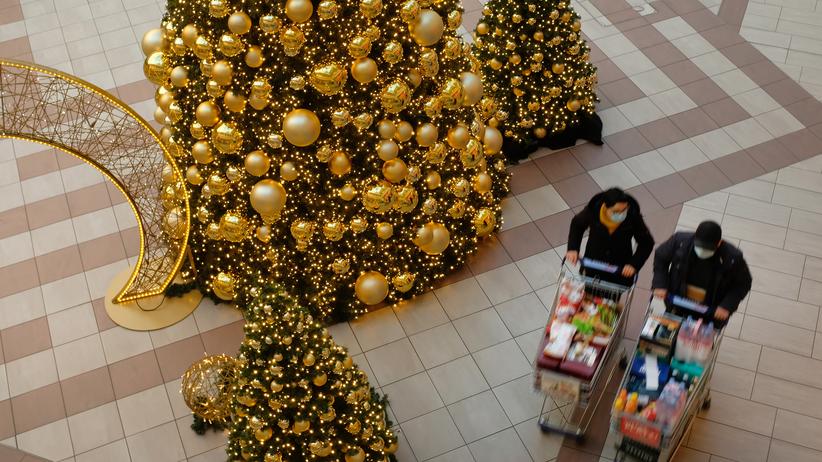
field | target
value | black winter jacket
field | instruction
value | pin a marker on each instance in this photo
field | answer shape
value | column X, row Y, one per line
column 616, row 249
column 732, row 281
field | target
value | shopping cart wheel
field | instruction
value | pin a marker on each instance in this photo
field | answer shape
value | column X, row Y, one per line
column 623, row 362
column 707, row 403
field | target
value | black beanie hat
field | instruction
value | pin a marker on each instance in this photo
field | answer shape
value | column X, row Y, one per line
column 708, row 234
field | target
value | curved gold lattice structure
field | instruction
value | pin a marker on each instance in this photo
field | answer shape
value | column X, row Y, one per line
column 50, row 107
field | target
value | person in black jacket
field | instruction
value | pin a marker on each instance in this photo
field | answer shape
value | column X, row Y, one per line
column 704, row 268
column 613, row 221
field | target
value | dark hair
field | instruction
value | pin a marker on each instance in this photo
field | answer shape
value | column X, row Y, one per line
column 613, row 196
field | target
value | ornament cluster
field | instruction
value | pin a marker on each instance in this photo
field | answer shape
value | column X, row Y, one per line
column 338, row 146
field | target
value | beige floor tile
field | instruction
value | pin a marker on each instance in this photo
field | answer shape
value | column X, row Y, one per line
column 439, row 345
column 739, row 353
column 503, row 284
column 461, row 454
column 782, row 310
column 789, row 366
column 420, row 313
column 692, row 216
column 145, row 410
column 782, row 451
column 775, row 283
column 413, row 397
column 53, row 237
column 377, row 328
column 692, row 455
column 734, row 326
column 51, row 441
column 501, row 363
column 117, row 450
column 777, row 335
column 715, row 201
column 120, row 343
column 802, row 242
column 361, row 362
column 798, row 429
column 72, row 324
column 344, row 336
column 195, row 444
column 432, row 434
column 806, row 221
column 725, row 441
column 798, row 178
column 519, row 399
column 210, row 315
column 175, row 397
column 773, row 258
column 478, row 416
column 98, row 279
column 16, row 248
column 31, row 372
column 94, row 428
column 482, row 330
column 732, row 380
column 811, row 292
column 541, row 202
column 159, row 444
column 539, row 445
column 182, row 330
column 65, row 293
column 753, row 189
column 513, row 214
column 754, row 231
column 813, row 269
column 21, row 307
column 614, row 175
column 787, row 395
column 754, row 209
column 79, row 356
column 458, row 379
column 504, row 445
column 462, row 298
column 542, row 269
column 741, row 413
column 523, row 314
column 799, row 198
column 649, row 166
column 394, row 361
column 215, row 455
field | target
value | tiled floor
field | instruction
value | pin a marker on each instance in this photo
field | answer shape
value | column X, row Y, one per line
column 700, row 122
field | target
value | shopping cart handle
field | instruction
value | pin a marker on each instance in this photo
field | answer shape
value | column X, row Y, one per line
column 688, row 304
column 599, row 266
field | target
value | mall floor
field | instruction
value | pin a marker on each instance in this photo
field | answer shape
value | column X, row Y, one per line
column 711, row 110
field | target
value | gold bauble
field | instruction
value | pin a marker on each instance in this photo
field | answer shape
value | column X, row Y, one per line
column 274, row 140
column 409, row 10
column 433, row 180
column 403, row 281
column 263, row 233
column 482, row 28
column 576, row 26
column 179, row 76
column 458, row 136
column 233, row 227
column 347, row 192
column 378, row 197
column 395, row 96
column 153, row 40
column 482, row 183
column 454, row 19
column 457, row 210
column 288, row 171
column 440, row 240
column 406, row 199
column 333, row 230
column 371, row 287
column 217, row 8
column 472, row 155
column 339, row 163
column 404, row 131
column 429, row 64
column 358, row 456
column 495, row 64
column 214, row 89
column 175, row 112
column 386, row 129
column 309, row 359
column 540, row 132
column 424, row 236
column 432, row 107
column 387, row 149
column 452, row 94
column 340, row 118
column 430, row 206
column 234, row 102
column 213, row 231
column 363, row 121
column 364, row 70
column 484, row 222
column 358, row 225
column 263, row 434
column 392, row 53
column 451, row 49
column 301, row 426
column 359, row 46
column 193, row 175
column 157, row 67
column 324, row 153
column 327, row 9
column 270, row 24
column 201, row 151
column 460, row 187
column 373, row 32
column 414, row 77
column 301, row 127
column 427, row 134
column 492, row 140
column 159, row 115
column 370, row 8
column 320, row 380
column 223, row 286
column 254, row 56
column 394, row 170
column 299, row 10
column 297, row 82
column 414, row 174
column 436, row 153
column 573, row 105
column 515, row 59
column 557, row 68
column 302, row 230
column 329, row 78
column 292, row 39
column 202, row 49
column 258, row 102
column 340, row 266
column 428, row 27
column 257, row 163
column 384, row 230
column 222, row 72
column 226, row 138
column 472, row 86
column 268, row 198
column 174, row 223
column 239, row 23
column 207, row 113
column 231, row 45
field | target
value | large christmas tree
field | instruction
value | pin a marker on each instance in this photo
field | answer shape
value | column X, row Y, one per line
column 335, row 146
column 299, row 397
column 535, row 66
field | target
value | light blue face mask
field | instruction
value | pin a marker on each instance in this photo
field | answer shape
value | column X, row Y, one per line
column 618, row 217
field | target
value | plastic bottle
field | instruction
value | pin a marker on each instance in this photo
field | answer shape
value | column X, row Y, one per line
column 633, row 401
column 619, row 402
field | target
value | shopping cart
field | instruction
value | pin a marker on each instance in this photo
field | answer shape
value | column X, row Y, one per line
column 648, row 441
column 578, row 397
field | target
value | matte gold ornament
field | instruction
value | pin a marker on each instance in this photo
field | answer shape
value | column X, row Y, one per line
column 370, row 8
column 378, row 197
column 458, row 136
column 573, row 105
column 224, row 285
column 329, row 78
column 452, row 94
column 193, row 175
column 233, row 227
column 153, row 40
column 394, row 170
column 423, row 236
column 440, row 239
column 239, row 23
column 301, row 127
column 222, row 72
column 231, row 45
column 386, row 129
column 427, row 29
column 333, row 230
column 403, row 282
column 301, row 426
column 288, row 171
column 358, row 225
column 482, row 28
column 484, row 222
column 292, row 39
column 515, row 59
column 340, row 266
column 540, row 132
column 387, row 149
column 299, row 11
column 371, row 287
column 428, row 63
column 157, row 68
column 347, row 192
column 427, row 134
column 339, row 163
column 201, row 151
column 364, row 70
column 359, row 47
column 404, row 131
column 254, row 56
column 384, row 230
column 406, row 199
column 226, row 138
column 179, row 76
column 482, row 182
column 557, row 68
column 492, row 140
column 392, row 53
column 327, row 9
column 268, row 199
column 454, row 19
column 414, row 77
column 234, row 102
column 395, row 96
column 263, row 233
column 433, row 180
column 472, row 86
column 495, row 64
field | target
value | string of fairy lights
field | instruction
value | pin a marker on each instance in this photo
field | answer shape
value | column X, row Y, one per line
column 338, row 147
column 535, row 65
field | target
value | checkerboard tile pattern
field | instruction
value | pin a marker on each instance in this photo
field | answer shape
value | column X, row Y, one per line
column 700, row 121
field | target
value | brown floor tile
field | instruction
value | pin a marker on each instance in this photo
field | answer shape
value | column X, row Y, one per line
column 6, row 420
column 37, row 164
column 816, row 129
column 647, row 201
column 671, row 190
column 102, row 251
column 621, row 91
column 131, row 241
column 661, row 132
column 591, row 156
column 577, row 190
column 15, row 48
column 786, row 92
column 664, row 54
column 807, row 111
column 662, row 224
column 608, row 72
column 703, row 92
column 596, row 55
column 702, row 20
column 725, row 112
column 38, row 407
column 176, row 357
column 684, row 72
column 739, row 167
column 525, row 177
column 114, row 194
column 743, row 54
column 8, row 454
column 455, row 276
column 609, row 7
column 88, row 390
column 683, row 7
column 13, row 221
column 59, row 264
column 662, row 13
column 803, row 144
column 733, row 11
column 88, row 199
column 104, row 322
column 705, row 178
column 523, row 241
column 555, row 227
column 603, row 102
column 645, row 36
column 2, row 354
column 693, row 122
column 136, row 92
column 628, row 143
column 559, row 165
column 772, row 155
column 763, row 72
column 723, row 36
column 490, row 255
column 226, row 339
column 66, row 160
column 627, row 20
column 18, row 277
column 47, row 211
column 136, row 374
column 11, row 14
column 26, row 339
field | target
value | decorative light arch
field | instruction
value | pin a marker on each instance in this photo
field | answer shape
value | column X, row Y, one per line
column 61, row 111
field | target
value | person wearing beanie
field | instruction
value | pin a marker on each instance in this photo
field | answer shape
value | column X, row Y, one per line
column 704, row 268
column 613, row 221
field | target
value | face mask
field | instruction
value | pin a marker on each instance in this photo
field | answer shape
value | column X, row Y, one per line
column 703, row 253
column 619, row 217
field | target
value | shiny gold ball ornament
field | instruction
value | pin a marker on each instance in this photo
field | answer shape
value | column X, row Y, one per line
column 153, row 40
column 288, row 171
column 206, row 387
column 378, row 197
column 339, row 163
column 409, row 10
column 299, row 11
column 454, row 19
column 333, row 230
column 414, row 77
column 485, row 221
column 174, row 223
column 202, row 49
column 460, row 187
column 371, row 287
column 558, row 68
column 297, row 82
column 433, row 180
column 452, row 94
column 440, row 239
column 359, row 46
column 428, row 27
column 403, row 282
column 472, row 155
column 231, row 45
column 218, row 8
column 429, row 64
column 224, row 286
column 427, row 134
column 482, row 28
column 157, row 67
column 233, row 227
column 301, row 127
column 395, row 96
column 270, row 24
column 364, row 70
column 327, row 9
column 370, row 8
column 292, row 39
column 363, row 121
column 394, row 170
column 268, row 198
column 226, row 138
column 328, row 78
column 406, row 199
column 384, row 230
column 573, row 105
column 257, row 163
column 340, row 266
column 358, row 225
column 436, row 153
column 392, row 53
column 347, row 192
column 340, row 118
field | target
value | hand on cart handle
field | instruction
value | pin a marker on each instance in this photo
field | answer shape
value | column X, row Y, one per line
column 628, row 271
column 572, row 257
column 722, row 314
column 661, row 293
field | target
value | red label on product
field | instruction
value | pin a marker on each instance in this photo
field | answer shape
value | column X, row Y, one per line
column 640, row 432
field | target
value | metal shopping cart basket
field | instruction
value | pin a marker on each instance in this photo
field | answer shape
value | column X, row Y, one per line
column 648, row 441
column 579, row 396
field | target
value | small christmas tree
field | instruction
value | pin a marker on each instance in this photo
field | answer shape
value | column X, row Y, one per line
column 299, row 396
column 535, row 66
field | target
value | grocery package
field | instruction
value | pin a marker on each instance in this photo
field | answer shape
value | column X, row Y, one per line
column 694, row 341
column 659, row 333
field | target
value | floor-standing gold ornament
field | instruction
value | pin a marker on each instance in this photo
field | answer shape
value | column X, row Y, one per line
column 61, row 111
column 207, row 387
